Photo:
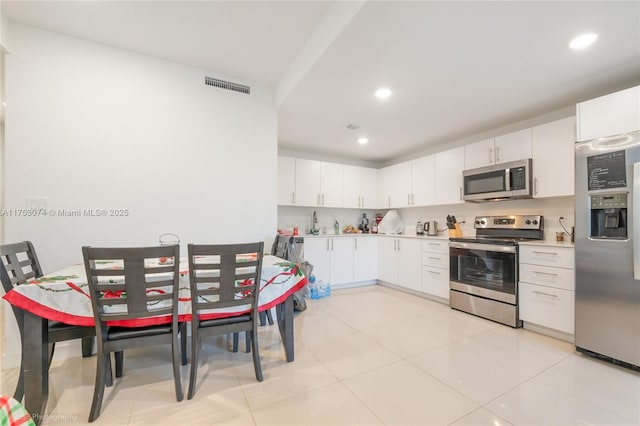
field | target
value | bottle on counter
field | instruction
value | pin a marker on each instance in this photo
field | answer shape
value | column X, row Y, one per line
column 336, row 227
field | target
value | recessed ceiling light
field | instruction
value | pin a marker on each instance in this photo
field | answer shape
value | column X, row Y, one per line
column 363, row 141
column 383, row 93
column 582, row 41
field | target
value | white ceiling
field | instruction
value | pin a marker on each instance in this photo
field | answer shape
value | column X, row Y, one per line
column 456, row 68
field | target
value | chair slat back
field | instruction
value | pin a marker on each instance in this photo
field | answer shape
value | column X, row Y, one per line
column 225, row 275
column 132, row 283
column 19, row 264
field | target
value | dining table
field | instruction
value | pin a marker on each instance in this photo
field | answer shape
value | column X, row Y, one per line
column 63, row 296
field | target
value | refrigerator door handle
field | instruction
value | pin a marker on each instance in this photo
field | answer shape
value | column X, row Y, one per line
column 636, row 222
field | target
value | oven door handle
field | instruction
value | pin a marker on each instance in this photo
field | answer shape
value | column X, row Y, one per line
column 483, row 247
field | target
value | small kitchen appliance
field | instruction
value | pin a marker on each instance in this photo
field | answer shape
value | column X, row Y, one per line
column 505, row 181
column 431, row 228
column 420, row 228
column 364, row 224
column 483, row 271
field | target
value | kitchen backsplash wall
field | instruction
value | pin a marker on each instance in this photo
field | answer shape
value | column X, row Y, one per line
column 551, row 208
column 288, row 217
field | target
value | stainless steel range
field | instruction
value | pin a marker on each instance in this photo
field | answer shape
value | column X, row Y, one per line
column 483, row 276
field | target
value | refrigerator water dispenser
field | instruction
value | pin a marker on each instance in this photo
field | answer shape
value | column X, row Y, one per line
column 609, row 216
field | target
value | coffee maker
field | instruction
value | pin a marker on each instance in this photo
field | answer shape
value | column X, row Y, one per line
column 364, row 224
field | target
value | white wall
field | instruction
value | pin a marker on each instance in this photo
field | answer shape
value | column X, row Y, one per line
column 93, row 127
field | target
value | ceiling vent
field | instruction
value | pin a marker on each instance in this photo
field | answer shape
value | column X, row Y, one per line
column 227, row 85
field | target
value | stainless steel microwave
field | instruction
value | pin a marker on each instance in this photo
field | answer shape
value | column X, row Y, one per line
column 505, row 181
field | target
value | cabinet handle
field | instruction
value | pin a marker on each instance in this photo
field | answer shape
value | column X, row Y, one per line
column 389, row 200
column 460, row 193
column 332, row 244
column 327, row 244
column 398, row 244
column 413, row 199
column 545, row 252
column 434, row 244
column 323, row 199
column 433, row 258
column 497, row 154
column 545, row 294
column 434, row 273
column 545, row 273
column 409, row 199
column 535, row 186
column 490, row 155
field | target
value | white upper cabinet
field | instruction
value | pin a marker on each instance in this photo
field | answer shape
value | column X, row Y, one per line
column 384, row 188
column 609, row 115
column 308, row 182
column 513, row 146
column 449, row 166
column 553, row 158
column 318, row 184
column 501, row 149
column 401, row 184
column 423, row 181
column 479, row 154
column 360, row 187
column 331, row 185
column 286, row 181
column 394, row 186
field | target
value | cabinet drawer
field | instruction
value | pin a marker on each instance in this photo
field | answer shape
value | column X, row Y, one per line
column 436, row 246
column 438, row 260
column 546, row 306
column 549, row 276
column 547, row 255
column 435, row 281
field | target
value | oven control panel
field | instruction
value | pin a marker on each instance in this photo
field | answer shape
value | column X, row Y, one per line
column 509, row 222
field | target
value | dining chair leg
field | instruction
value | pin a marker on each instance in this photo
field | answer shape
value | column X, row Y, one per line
column 102, row 368
column 183, row 342
column 247, row 342
column 235, row 342
column 87, row 346
column 194, row 362
column 269, row 316
column 176, row 358
column 256, row 353
column 119, row 363
column 19, row 392
column 109, row 374
column 52, row 349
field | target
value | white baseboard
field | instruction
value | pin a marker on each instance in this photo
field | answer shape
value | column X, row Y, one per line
column 414, row 292
column 556, row 334
column 352, row 285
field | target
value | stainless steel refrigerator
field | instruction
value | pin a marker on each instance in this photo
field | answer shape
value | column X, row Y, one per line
column 607, row 248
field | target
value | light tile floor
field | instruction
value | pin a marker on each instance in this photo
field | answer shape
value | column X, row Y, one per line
column 364, row 356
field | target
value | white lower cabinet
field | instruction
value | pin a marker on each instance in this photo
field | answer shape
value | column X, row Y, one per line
column 435, row 268
column 365, row 258
column 399, row 262
column 546, row 287
column 342, row 260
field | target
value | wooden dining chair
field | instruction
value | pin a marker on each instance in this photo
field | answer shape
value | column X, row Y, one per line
column 141, row 293
column 19, row 265
column 224, row 278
